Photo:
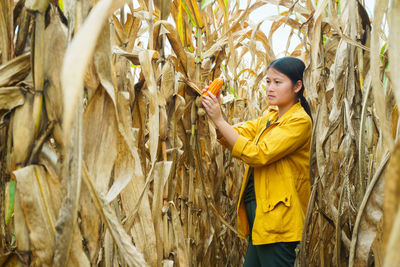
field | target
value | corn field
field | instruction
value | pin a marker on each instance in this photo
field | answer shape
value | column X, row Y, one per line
column 108, row 159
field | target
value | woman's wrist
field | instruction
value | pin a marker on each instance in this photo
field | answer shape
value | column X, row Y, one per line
column 219, row 123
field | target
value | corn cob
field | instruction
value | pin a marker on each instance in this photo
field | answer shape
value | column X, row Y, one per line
column 215, row 87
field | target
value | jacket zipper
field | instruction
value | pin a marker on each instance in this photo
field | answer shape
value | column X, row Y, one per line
column 268, row 125
column 258, row 139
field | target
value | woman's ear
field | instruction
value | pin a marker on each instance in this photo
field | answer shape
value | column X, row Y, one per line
column 298, row 86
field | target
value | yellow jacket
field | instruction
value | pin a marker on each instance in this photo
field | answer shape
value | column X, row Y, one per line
column 279, row 155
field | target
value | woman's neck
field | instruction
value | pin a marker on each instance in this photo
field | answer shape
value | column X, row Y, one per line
column 283, row 109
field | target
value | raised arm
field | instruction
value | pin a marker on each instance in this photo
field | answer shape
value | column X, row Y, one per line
column 282, row 140
column 213, row 109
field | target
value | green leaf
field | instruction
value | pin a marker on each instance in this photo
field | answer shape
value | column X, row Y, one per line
column 324, row 39
column 382, row 52
column 383, row 49
column 190, row 48
column 385, row 78
column 60, row 4
column 193, row 129
column 180, row 24
column 11, row 193
column 192, row 21
column 226, row 4
column 233, row 92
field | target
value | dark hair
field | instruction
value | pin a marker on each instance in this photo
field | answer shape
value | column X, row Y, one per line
column 293, row 68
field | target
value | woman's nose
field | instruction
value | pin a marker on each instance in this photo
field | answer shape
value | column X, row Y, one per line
column 270, row 87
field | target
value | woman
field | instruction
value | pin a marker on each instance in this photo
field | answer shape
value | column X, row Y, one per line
column 275, row 147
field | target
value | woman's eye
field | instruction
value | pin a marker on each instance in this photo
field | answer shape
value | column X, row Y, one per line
column 268, row 81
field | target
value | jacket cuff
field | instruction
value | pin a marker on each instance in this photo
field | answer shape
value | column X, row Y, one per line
column 238, row 148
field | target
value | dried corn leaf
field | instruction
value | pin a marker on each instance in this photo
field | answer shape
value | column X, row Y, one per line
column 130, row 139
column 55, row 45
column 37, row 5
column 102, row 61
column 40, row 202
column 134, row 55
column 180, row 244
column 11, row 97
column 292, row 6
column 368, row 217
column 176, row 44
column 20, row 229
column 23, row 132
column 15, row 70
column 127, row 251
column 78, row 55
column 120, row 32
column 394, row 51
column 5, row 30
column 100, row 128
column 133, row 33
column 22, row 35
column 129, row 183
column 161, row 173
column 75, row 63
column 152, row 95
column 216, row 46
column 38, row 68
column 167, row 88
column 377, row 89
column 141, row 223
column 109, row 256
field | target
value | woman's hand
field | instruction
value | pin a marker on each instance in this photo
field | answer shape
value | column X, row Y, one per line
column 211, row 105
column 213, row 109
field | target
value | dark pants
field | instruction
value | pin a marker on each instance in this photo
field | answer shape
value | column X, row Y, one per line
column 271, row 255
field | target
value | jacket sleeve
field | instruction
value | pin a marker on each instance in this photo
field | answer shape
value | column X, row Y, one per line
column 281, row 141
column 247, row 130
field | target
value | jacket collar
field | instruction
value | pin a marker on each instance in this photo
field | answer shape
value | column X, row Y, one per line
column 274, row 118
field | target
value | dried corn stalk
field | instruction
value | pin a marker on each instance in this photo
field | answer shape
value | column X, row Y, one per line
column 110, row 97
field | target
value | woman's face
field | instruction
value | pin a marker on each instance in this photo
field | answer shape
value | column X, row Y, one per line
column 280, row 89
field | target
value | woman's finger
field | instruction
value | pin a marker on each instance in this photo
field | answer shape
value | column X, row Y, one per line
column 206, row 102
column 206, row 97
column 213, row 97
